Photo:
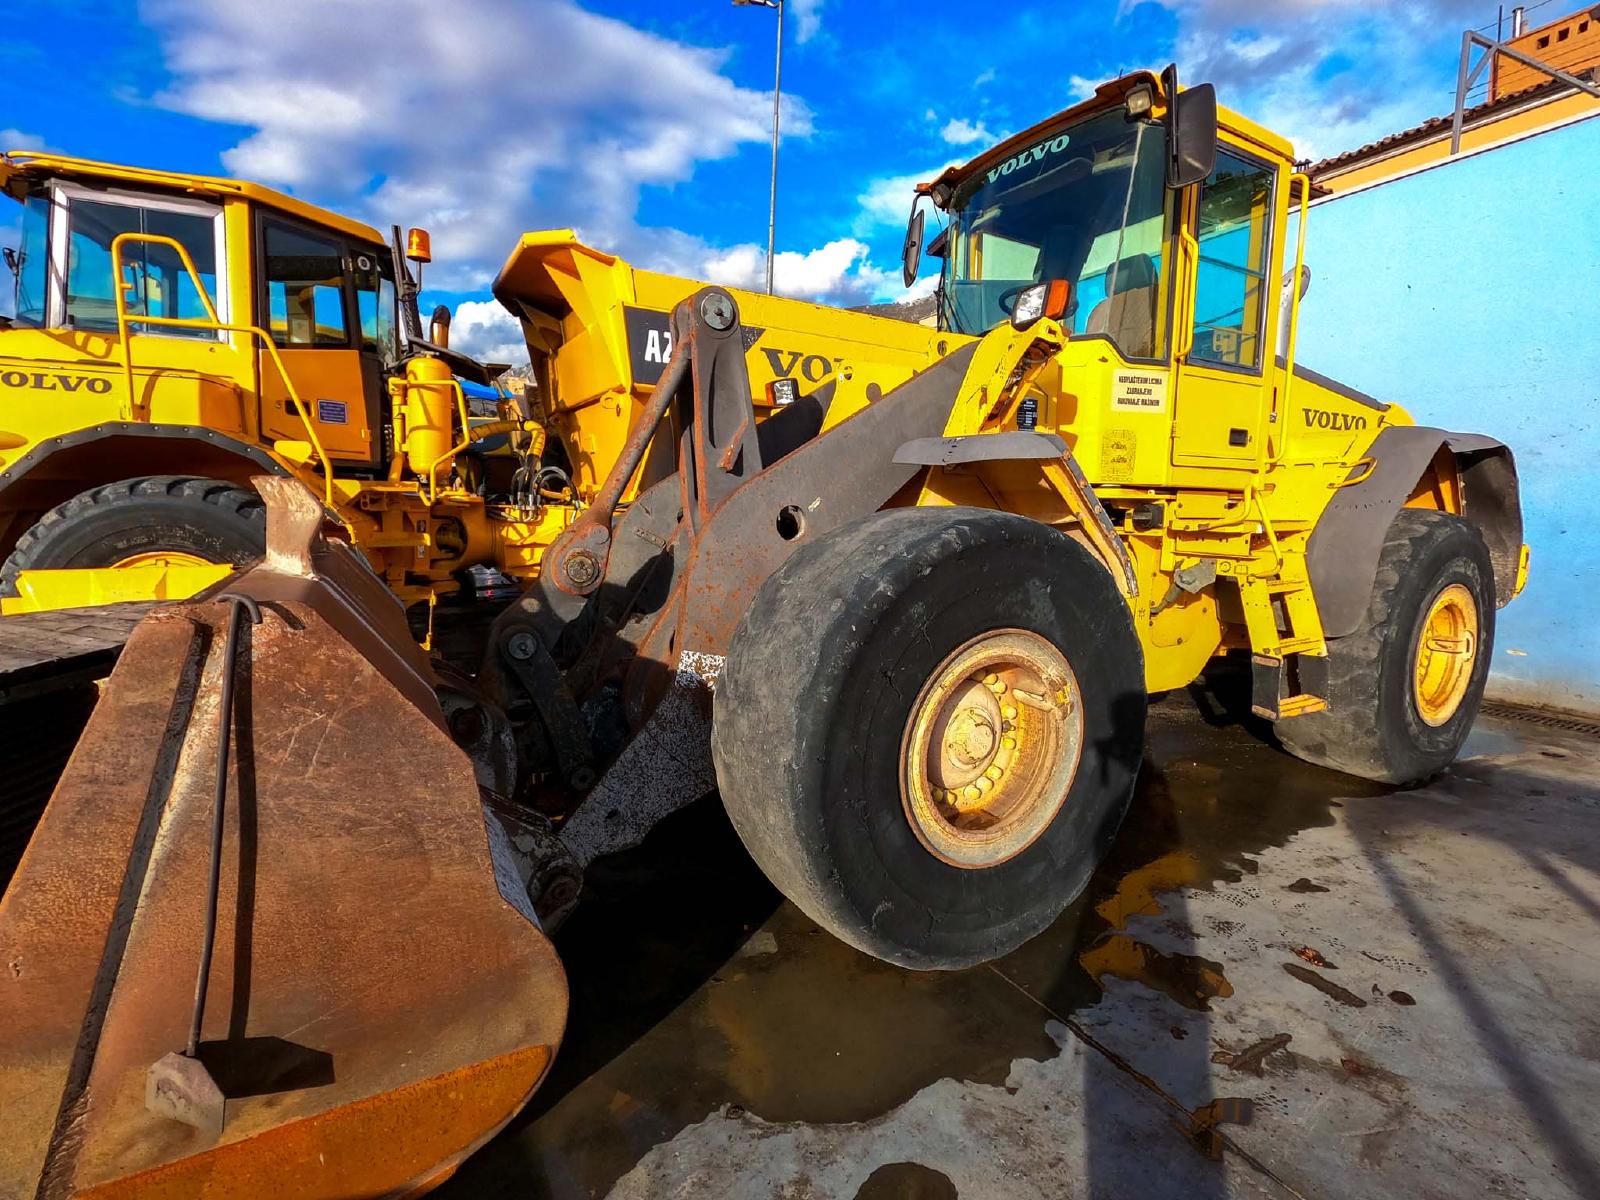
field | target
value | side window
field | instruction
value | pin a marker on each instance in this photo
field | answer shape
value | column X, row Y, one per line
column 31, row 262
column 304, row 274
column 154, row 279
column 1235, row 238
column 375, row 303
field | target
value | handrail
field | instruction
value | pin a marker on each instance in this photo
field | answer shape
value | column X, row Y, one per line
column 1295, row 282
column 466, row 431
column 211, row 322
column 1188, row 252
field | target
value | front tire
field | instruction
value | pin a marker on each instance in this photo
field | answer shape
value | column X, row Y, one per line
column 862, row 719
column 156, row 519
column 1404, row 688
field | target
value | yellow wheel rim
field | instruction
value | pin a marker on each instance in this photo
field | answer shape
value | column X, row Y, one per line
column 991, row 748
column 1447, row 649
column 162, row 558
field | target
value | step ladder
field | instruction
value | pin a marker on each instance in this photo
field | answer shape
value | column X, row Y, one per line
column 1288, row 653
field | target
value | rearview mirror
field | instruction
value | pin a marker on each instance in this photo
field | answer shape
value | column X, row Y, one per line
column 911, row 251
column 1191, row 130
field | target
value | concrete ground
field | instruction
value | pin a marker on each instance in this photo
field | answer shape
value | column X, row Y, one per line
column 1284, row 982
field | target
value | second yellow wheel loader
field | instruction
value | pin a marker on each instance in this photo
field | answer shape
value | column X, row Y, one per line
column 906, row 626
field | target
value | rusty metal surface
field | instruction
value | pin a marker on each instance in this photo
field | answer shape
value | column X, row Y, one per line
column 377, row 1006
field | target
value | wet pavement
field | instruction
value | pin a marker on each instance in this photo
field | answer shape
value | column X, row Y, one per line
column 1282, row 982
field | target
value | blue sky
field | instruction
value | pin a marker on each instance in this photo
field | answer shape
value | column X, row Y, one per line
column 645, row 125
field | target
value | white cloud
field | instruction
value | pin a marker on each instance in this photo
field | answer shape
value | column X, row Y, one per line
column 886, row 201
column 1328, row 74
column 12, row 138
column 1080, row 87
column 983, row 77
column 839, row 272
column 807, row 18
column 523, row 114
column 961, row 132
column 487, row 332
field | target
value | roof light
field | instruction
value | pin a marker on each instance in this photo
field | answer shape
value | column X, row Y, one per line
column 1139, row 101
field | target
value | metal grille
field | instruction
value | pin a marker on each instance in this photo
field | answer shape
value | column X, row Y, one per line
column 1541, row 717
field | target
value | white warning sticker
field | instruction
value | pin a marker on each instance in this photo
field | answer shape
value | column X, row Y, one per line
column 1139, row 391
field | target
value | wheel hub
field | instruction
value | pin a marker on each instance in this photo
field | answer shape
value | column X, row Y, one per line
column 162, row 558
column 1447, row 651
column 991, row 748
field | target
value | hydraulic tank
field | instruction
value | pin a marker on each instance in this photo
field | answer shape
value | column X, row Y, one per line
column 430, row 414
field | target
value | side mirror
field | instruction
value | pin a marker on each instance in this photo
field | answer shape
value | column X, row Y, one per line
column 911, row 251
column 439, row 327
column 1191, row 130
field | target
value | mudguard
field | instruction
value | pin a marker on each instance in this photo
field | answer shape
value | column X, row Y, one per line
column 1342, row 555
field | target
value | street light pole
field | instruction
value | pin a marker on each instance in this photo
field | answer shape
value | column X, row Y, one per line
column 777, row 93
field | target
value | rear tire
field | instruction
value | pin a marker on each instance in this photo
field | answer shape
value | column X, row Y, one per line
column 203, row 519
column 1384, row 720
column 823, row 695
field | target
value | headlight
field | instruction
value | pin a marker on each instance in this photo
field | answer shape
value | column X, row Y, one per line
column 1029, row 306
column 1048, row 299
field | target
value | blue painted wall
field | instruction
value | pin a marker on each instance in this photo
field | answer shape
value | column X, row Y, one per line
column 1470, row 293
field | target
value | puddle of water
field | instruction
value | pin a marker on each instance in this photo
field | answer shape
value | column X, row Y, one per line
column 670, row 1022
column 906, row 1181
column 1187, row 978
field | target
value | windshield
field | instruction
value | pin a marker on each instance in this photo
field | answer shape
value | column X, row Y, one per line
column 1086, row 203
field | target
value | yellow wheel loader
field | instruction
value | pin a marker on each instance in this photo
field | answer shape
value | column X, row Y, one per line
column 175, row 336
column 899, row 594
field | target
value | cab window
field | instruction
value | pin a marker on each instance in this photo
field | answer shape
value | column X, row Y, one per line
column 375, row 303
column 154, row 280
column 1235, row 238
column 29, row 262
column 304, row 274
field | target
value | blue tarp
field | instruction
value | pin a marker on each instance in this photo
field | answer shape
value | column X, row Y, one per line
column 476, row 391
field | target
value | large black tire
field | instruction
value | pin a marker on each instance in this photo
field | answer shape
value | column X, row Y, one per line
column 1373, row 726
column 814, row 701
column 219, row 522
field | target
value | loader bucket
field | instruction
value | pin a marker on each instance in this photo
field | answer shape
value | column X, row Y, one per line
column 379, row 998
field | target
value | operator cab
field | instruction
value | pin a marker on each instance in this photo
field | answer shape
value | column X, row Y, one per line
column 1139, row 225
column 326, row 290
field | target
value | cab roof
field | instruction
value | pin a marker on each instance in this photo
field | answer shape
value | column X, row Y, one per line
column 37, row 164
column 1105, row 96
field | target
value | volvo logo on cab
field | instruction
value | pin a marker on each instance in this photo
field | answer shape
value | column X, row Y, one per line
column 50, row 381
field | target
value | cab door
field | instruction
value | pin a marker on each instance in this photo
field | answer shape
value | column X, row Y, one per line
column 308, row 304
column 1222, row 402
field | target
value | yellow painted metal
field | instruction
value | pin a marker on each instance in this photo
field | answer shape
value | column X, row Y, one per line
column 991, row 748
column 138, row 409
column 1521, row 580
column 146, row 577
column 430, row 411
column 1447, row 650
column 418, row 524
column 41, row 165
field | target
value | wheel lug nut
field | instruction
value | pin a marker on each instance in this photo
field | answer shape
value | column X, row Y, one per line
column 993, row 773
column 972, row 792
column 1008, row 711
column 984, row 785
column 1008, row 743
